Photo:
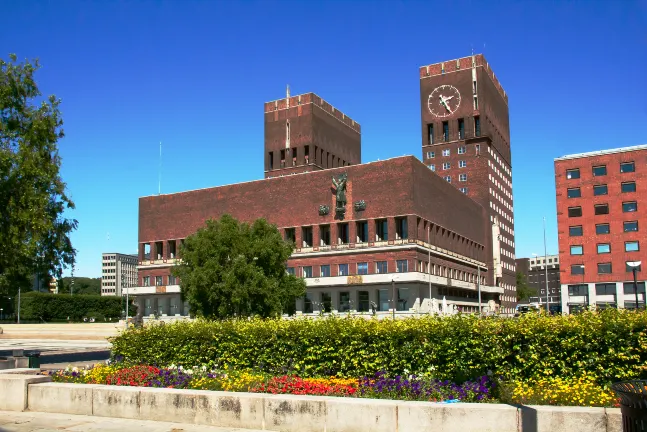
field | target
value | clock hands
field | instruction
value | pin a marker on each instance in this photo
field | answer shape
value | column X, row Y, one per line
column 443, row 101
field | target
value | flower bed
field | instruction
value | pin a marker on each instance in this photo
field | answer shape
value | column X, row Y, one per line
column 582, row 391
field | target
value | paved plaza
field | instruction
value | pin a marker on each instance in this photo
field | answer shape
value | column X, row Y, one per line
column 11, row 421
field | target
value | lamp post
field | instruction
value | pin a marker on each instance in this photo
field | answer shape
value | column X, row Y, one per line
column 72, row 281
column 1, row 313
column 546, row 269
column 19, row 289
column 393, row 295
column 634, row 268
column 478, row 286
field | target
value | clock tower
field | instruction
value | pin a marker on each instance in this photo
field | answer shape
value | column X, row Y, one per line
column 466, row 140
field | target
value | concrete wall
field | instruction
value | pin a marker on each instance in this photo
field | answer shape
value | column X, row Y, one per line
column 293, row 413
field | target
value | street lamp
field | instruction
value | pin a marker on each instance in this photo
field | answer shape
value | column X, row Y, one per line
column 1, row 314
column 634, row 268
column 546, row 268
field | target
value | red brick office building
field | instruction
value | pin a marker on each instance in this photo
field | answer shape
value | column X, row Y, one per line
column 601, row 227
column 399, row 235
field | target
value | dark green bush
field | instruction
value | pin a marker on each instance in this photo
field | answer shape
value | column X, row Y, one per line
column 611, row 345
column 49, row 307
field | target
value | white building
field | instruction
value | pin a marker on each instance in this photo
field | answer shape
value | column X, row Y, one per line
column 117, row 271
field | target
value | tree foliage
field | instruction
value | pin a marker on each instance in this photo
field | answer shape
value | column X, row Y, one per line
column 34, row 234
column 236, row 269
column 47, row 307
column 523, row 290
column 82, row 285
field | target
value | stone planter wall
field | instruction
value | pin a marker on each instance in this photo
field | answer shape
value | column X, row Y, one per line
column 294, row 413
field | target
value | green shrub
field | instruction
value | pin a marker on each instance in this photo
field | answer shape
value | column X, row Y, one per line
column 610, row 345
column 48, row 307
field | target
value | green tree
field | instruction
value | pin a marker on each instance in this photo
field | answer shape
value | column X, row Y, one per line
column 523, row 290
column 34, row 234
column 82, row 285
column 235, row 269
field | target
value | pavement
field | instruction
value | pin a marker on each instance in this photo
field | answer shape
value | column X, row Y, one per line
column 12, row 421
column 60, row 343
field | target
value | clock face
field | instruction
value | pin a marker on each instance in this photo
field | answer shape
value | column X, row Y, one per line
column 444, row 101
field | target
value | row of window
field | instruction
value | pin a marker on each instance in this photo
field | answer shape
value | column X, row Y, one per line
column 603, row 268
column 606, row 289
column 447, row 152
column 343, row 236
column 381, row 267
column 446, row 132
column 159, row 280
column 602, row 189
column 603, row 228
column 630, row 246
column 324, row 158
column 603, row 209
column 600, row 170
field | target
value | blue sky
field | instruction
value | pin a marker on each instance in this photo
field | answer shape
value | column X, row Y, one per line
column 195, row 75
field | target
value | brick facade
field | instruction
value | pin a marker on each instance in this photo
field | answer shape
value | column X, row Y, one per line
column 483, row 168
column 598, row 245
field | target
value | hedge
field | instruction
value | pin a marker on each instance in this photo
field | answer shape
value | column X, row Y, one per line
column 610, row 345
column 48, row 307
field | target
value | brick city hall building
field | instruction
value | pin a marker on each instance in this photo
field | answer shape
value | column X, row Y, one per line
column 600, row 227
column 397, row 233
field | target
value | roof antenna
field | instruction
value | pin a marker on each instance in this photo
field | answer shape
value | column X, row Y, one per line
column 159, row 177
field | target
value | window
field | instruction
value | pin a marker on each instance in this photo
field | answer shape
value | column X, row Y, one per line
column 159, row 281
column 401, row 230
column 431, row 155
column 632, row 246
column 575, row 231
column 432, row 167
column 172, row 280
column 146, row 281
column 630, row 206
column 307, row 272
column 599, row 170
column 307, row 304
column 628, row 187
column 446, row 165
column 430, row 133
column 629, row 288
column 325, row 270
column 171, row 248
column 605, row 288
column 602, row 228
column 604, row 248
column 445, row 131
column 462, row 177
column 446, row 152
column 573, row 174
column 306, row 233
column 403, row 298
column 630, row 269
column 461, row 130
column 344, row 301
column 601, row 209
column 575, row 212
column 604, row 268
column 362, row 232
column 627, row 167
column 290, row 235
column 600, row 190
column 463, row 189
column 477, row 147
column 448, row 179
column 577, row 250
column 324, row 235
column 462, row 150
column 381, row 230
column 630, row 226
column 574, row 193
column 402, row 266
column 362, row 301
column 380, row 267
column 343, row 269
column 577, row 269
column 326, row 302
column 383, row 300
column 290, row 271
column 462, row 164
column 578, row 290
column 342, row 229
column 362, row 268
column 477, row 126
